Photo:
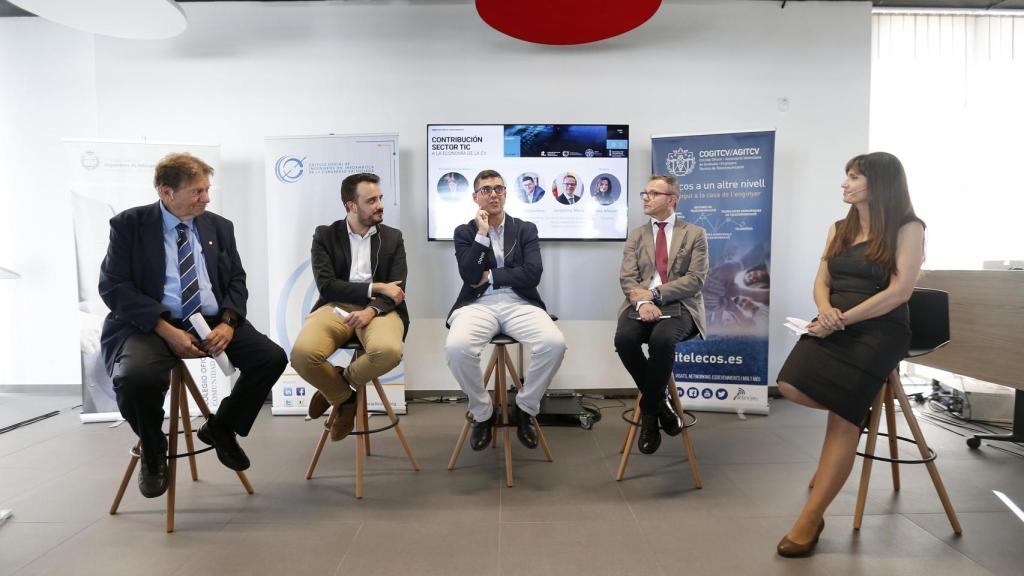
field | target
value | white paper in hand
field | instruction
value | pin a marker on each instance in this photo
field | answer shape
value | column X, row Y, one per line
column 203, row 330
column 340, row 312
column 796, row 325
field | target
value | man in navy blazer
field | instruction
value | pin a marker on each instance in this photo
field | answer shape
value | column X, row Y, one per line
column 153, row 250
column 500, row 265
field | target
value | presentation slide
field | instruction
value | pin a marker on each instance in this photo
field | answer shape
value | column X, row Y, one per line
column 568, row 179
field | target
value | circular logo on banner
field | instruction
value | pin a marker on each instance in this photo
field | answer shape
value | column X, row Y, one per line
column 721, row 394
column 693, row 392
column 680, row 162
column 90, row 161
column 707, row 393
column 289, row 169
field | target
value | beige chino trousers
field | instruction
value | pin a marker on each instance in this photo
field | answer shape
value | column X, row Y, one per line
column 324, row 332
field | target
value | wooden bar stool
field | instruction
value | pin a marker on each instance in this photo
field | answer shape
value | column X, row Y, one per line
column 498, row 365
column 929, row 325
column 180, row 379
column 677, row 406
column 362, row 430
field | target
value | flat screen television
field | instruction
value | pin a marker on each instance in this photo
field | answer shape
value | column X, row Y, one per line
column 568, row 179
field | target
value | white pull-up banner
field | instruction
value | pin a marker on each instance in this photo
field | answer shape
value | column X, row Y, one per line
column 303, row 176
column 104, row 178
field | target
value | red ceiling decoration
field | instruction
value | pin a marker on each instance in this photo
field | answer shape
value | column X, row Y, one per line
column 562, row 22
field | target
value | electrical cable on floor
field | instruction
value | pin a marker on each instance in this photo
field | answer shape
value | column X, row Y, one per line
column 437, row 400
column 945, row 423
column 35, row 419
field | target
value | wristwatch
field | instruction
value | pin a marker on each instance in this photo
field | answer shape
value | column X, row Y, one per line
column 230, row 321
column 656, row 297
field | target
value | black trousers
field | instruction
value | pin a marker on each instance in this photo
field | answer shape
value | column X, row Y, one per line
column 651, row 374
column 142, row 376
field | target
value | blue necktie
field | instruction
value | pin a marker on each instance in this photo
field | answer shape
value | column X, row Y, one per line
column 190, row 300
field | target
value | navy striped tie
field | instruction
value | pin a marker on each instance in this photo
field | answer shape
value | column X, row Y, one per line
column 190, row 300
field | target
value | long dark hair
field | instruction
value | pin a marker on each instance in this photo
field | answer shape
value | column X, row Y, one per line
column 889, row 207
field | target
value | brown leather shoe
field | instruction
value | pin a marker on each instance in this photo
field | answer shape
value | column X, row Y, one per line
column 789, row 549
column 318, row 404
column 343, row 420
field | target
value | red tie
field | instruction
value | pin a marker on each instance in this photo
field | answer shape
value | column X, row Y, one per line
column 661, row 252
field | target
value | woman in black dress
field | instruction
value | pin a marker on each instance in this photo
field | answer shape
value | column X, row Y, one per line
column 867, row 274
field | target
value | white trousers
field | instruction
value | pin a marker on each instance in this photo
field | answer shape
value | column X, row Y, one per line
column 473, row 326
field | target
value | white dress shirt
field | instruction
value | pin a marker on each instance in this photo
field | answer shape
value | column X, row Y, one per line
column 496, row 239
column 359, row 270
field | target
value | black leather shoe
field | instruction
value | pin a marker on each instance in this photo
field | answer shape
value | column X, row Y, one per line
column 153, row 479
column 650, row 436
column 526, row 430
column 480, row 436
column 224, row 442
column 668, row 420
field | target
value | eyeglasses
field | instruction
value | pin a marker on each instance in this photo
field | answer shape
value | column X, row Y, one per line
column 488, row 190
column 645, row 194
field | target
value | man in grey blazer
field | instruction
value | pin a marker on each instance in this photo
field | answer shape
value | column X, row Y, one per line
column 664, row 264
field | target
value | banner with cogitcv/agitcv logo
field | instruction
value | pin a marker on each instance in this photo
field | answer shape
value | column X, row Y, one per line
column 303, row 178
column 725, row 186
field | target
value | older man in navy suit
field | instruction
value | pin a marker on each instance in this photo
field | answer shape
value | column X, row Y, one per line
column 165, row 262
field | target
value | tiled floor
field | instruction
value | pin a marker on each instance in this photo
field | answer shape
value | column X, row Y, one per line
column 569, row 516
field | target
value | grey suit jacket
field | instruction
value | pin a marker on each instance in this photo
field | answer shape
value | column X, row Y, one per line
column 687, row 267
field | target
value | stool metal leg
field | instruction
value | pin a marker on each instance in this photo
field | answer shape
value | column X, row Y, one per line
column 890, row 426
column 865, row 474
column 172, row 451
column 126, row 479
column 186, row 425
column 394, row 420
column 922, row 446
column 366, row 420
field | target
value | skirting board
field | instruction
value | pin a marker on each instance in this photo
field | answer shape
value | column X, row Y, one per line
column 42, row 389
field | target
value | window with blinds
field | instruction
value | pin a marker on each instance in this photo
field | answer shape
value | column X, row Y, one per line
column 947, row 97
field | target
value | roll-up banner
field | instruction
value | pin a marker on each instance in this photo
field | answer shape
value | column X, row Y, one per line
column 104, row 178
column 303, row 179
column 725, row 186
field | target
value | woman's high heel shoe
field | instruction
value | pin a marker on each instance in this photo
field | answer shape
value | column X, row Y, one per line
column 789, row 549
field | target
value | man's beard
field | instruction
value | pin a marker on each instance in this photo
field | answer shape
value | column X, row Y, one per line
column 372, row 219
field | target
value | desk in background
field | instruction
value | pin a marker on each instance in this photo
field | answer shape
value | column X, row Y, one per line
column 986, row 317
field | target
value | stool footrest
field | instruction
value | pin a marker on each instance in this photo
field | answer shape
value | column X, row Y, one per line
column 690, row 424
column 900, row 460
column 375, row 430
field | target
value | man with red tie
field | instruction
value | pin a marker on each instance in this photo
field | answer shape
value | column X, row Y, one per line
column 664, row 264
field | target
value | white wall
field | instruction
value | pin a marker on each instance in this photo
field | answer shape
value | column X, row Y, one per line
column 243, row 71
column 47, row 92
